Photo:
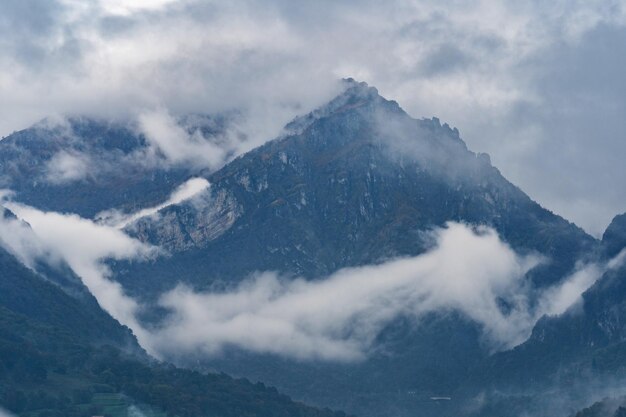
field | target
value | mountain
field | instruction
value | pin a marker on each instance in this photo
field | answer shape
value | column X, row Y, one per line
column 354, row 183
column 608, row 407
column 26, row 293
column 63, row 356
column 84, row 165
column 614, row 238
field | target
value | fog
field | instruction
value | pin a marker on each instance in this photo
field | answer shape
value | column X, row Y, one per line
column 338, row 317
column 176, row 144
column 84, row 246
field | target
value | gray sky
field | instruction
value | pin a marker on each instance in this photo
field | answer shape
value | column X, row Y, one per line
column 538, row 85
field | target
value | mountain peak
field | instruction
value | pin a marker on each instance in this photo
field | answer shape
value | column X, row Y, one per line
column 360, row 115
column 354, row 95
column 358, row 88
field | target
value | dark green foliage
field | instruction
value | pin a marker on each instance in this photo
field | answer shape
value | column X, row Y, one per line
column 25, row 292
column 56, row 352
column 30, row 383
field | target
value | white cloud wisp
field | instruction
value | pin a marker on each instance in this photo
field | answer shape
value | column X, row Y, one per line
column 185, row 191
column 84, row 246
column 338, row 318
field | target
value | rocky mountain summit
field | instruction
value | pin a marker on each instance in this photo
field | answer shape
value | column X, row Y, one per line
column 355, row 182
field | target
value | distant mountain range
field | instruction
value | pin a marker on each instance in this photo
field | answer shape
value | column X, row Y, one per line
column 85, row 166
column 354, row 183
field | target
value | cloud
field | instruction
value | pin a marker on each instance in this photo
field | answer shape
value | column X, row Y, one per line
column 618, row 260
column 18, row 238
column 84, row 246
column 557, row 300
column 176, row 144
column 184, row 192
column 470, row 271
column 156, row 141
column 67, row 166
column 126, row 8
column 134, row 411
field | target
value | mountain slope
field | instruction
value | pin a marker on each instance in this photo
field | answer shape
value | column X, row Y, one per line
column 591, row 327
column 614, row 238
column 83, row 165
column 354, row 183
column 46, row 370
column 27, row 293
column 579, row 354
column 60, row 355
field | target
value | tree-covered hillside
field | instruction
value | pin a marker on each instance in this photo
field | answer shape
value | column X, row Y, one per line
column 60, row 356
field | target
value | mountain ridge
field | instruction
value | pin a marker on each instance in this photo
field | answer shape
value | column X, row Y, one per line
column 351, row 151
column 355, row 182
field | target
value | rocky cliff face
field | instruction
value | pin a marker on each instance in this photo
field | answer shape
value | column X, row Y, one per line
column 191, row 225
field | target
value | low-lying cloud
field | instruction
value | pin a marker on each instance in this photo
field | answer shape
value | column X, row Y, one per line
column 185, row 191
column 470, row 271
column 195, row 142
column 18, row 238
column 81, row 244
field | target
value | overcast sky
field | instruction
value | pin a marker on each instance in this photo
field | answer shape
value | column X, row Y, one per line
column 538, row 85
